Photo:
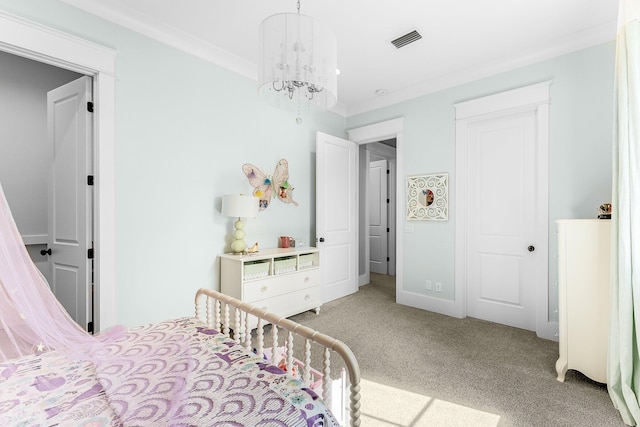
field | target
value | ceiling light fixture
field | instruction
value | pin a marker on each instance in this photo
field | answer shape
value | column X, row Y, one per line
column 297, row 68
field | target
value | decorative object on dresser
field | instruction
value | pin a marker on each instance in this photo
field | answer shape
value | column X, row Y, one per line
column 239, row 206
column 282, row 281
column 287, row 242
column 428, row 197
column 584, row 285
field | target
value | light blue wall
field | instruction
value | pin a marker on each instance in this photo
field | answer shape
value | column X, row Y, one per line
column 184, row 127
column 580, row 154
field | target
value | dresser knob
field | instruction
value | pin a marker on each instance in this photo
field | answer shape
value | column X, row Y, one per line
column 306, row 279
column 263, row 289
column 306, row 297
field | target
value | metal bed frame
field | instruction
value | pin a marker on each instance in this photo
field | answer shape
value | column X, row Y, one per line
column 233, row 318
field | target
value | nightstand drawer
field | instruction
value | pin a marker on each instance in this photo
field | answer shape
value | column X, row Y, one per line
column 291, row 303
column 279, row 285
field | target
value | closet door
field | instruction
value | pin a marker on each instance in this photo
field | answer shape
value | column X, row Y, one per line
column 501, row 222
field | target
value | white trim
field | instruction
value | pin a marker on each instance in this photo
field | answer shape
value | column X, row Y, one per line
column 364, row 201
column 426, row 302
column 382, row 150
column 37, row 42
column 522, row 97
column 582, row 40
column 378, row 132
column 140, row 23
column 536, row 98
column 35, row 239
column 143, row 24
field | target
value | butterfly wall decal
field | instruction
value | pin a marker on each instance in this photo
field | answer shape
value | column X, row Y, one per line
column 267, row 187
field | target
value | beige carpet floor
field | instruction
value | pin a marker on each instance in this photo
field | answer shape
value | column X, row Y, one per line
column 424, row 369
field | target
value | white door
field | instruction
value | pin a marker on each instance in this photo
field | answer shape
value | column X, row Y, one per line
column 70, row 227
column 378, row 216
column 336, row 214
column 501, row 256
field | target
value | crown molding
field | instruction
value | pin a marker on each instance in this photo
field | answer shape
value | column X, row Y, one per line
column 143, row 24
column 578, row 41
column 173, row 37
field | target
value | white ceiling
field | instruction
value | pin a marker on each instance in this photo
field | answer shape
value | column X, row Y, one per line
column 463, row 40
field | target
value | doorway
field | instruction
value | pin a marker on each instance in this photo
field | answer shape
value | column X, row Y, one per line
column 380, row 202
column 383, row 131
column 30, row 40
column 502, row 156
column 26, row 173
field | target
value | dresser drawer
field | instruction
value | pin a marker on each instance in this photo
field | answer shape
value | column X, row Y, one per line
column 279, row 285
column 291, row 303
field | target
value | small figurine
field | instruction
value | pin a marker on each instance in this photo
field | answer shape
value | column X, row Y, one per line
column 253, row 249
column 604, row 211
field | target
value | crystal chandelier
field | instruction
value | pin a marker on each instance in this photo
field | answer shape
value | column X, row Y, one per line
column 297, row 68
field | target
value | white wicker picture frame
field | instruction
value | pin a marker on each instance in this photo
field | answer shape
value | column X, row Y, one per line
column 428, row 197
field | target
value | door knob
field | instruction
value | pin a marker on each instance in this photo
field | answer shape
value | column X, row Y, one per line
column 531, row 248
column 45, row 252
column 321, row 240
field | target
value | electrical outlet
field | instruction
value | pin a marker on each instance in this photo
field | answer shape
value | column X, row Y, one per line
column 428, row 285
column 438, row 287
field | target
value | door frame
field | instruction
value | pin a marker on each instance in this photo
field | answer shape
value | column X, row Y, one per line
column 34, row 41
column 536, row 98
column 388, row 129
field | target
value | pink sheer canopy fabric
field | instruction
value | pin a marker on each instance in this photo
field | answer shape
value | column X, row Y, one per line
column 32, row 321
column 31, row 318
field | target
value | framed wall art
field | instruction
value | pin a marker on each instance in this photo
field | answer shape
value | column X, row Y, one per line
column 428, row 197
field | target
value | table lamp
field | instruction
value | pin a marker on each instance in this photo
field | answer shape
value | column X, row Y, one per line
column 239, row 206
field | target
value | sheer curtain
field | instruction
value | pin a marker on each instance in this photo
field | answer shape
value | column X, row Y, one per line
column 31, row 318
column 32, row 322
column 624, row 358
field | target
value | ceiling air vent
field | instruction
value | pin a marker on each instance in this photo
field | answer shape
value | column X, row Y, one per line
column 406, row 39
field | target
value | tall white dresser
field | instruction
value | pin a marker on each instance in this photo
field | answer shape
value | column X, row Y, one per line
column 584, row 251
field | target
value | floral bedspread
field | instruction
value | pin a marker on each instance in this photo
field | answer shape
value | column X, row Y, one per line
column 174, row 373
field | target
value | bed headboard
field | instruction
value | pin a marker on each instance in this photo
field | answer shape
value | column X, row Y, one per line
column 234, row 318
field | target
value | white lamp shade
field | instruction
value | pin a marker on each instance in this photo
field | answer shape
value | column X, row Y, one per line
column 240, row 206
column 298, row 52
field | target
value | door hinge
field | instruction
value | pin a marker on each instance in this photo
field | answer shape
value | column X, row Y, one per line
column 90, row 327
column 388, row 259
column 90, row 107
column 387, row 229
column 388, row 172
column 90, row 253
column 388, row 201
column 89, row 179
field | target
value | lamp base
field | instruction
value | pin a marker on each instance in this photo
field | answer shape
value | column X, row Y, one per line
column 238, row 246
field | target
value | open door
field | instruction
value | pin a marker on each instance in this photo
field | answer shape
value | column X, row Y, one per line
column 336, row 215
column 378, row 205
column 70, row 198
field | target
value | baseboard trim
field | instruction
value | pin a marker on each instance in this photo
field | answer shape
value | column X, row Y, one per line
column 545, row 330
column 363, row 279
column 424, row 302
column 548, row 330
